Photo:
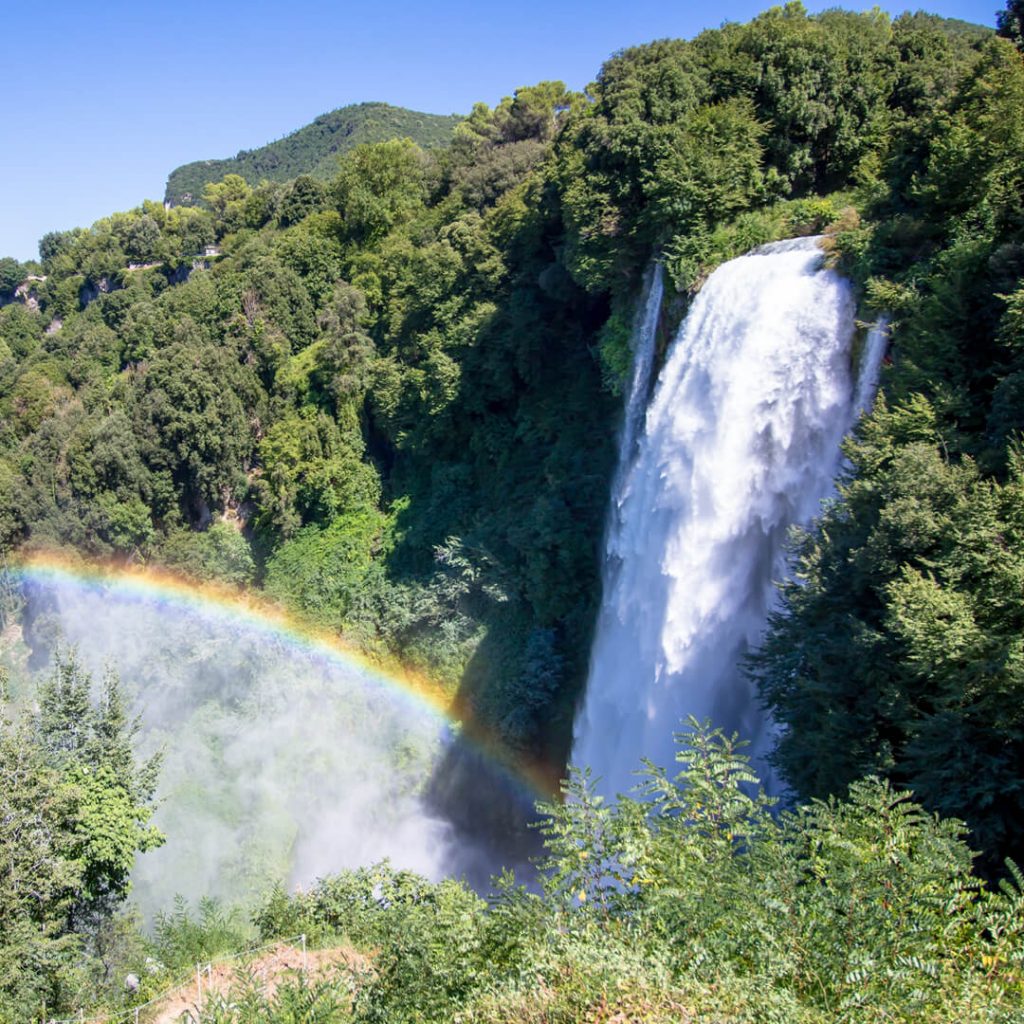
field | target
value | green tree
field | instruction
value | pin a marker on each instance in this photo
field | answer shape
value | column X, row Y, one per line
column 976, row 159
column 713, row 173
column 346, row 350
column 20, row 329
column 39, row 877
column 193, row 423
column 186, row 232
column 378, row 188
column 1010, row 23
column 219, row 553
column 534, row 111
column 91, row 744
column 11, row 275
column 897, row 651
column 313, row 250
column 55, row 244
column 143, row 239
column 219, row 196
column 312, row 472
column 74, row 812
column 304, row 196
column 821, row 82
column 11, row 511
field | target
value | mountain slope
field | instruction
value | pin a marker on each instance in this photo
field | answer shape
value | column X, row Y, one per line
column 313, row 149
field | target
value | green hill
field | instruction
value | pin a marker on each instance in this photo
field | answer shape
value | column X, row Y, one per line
column 315, row 148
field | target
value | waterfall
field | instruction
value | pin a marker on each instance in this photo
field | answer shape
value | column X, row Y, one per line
column 644, row 345
column 871, row 358
column 740, row 441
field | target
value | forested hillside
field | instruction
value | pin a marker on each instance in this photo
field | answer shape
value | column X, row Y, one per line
column 313, row 149
column 390, row 399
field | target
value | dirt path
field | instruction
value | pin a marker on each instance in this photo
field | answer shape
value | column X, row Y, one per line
column 267, row 970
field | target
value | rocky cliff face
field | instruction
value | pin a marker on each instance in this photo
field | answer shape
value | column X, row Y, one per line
column 26, row 293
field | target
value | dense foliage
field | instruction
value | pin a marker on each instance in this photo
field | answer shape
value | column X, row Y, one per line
column 74, row 811
column 314, row 149
column 695, row 904
column 898, row 647
column 694, row 900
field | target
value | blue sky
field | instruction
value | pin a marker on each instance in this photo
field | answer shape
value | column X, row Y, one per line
column 109, row 97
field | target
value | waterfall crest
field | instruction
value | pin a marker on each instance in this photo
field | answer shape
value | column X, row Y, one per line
column 740, row 441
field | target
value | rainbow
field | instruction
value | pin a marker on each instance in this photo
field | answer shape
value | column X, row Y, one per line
column 255, row 612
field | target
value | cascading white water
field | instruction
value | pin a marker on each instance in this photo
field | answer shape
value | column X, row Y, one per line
column 871, row 360
column 644, row 345
column 741, row 441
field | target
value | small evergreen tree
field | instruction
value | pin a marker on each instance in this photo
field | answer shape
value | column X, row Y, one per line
column 90, row 744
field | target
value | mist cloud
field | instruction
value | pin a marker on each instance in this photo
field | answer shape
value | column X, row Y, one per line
column 279, row 762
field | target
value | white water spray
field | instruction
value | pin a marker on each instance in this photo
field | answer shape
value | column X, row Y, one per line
column 741, row 441
column 279, row 763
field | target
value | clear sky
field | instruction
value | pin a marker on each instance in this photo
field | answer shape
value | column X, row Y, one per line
column 109, row 97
